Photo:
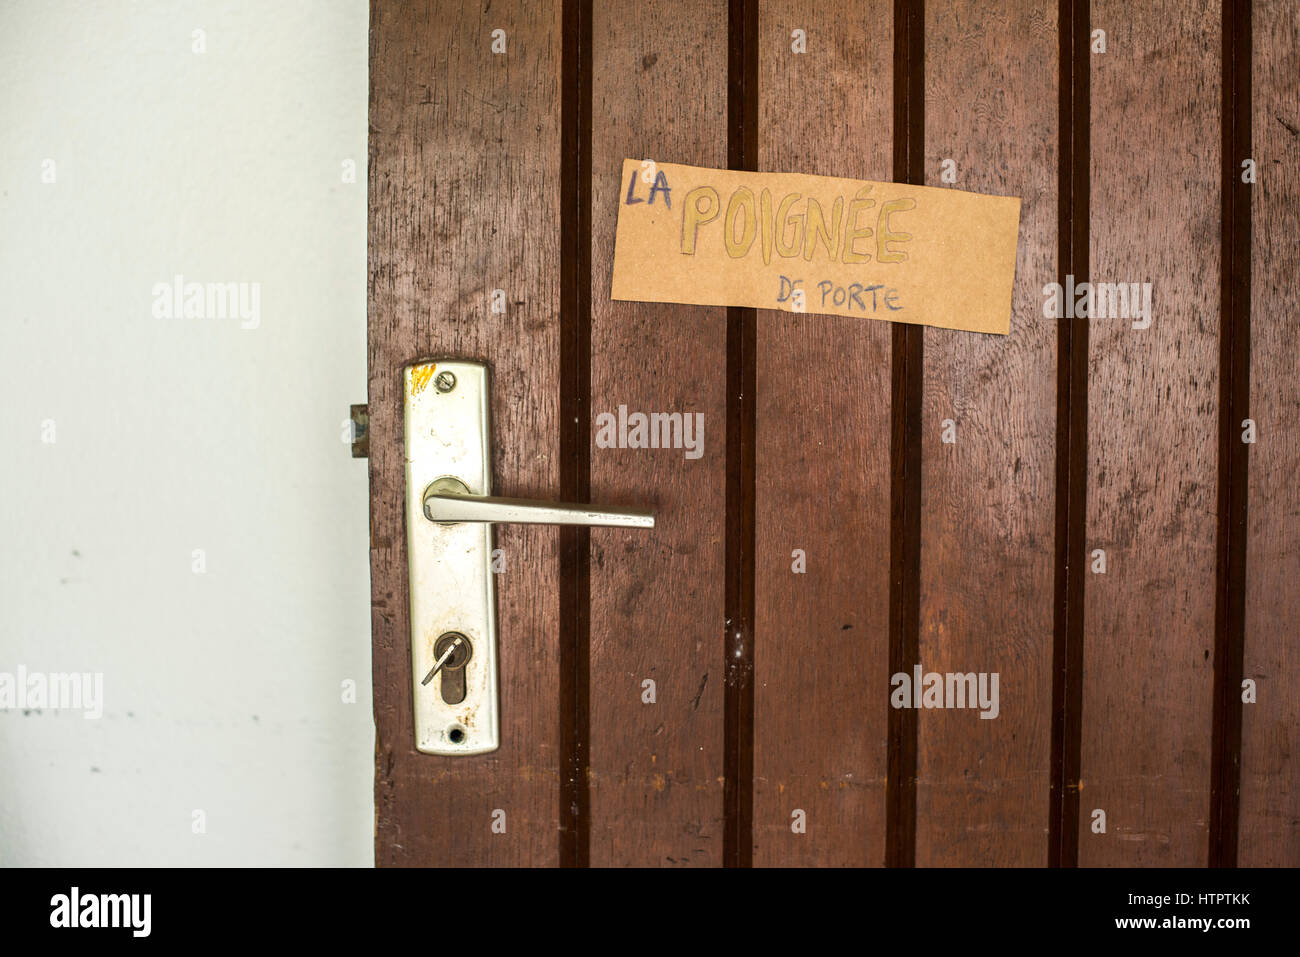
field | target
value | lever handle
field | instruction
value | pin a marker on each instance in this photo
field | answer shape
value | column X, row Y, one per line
column 448, row 502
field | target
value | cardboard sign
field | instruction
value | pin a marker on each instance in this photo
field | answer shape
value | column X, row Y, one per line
column 846, row 247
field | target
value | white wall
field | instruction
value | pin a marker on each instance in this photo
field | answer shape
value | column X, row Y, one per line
column 222, row 690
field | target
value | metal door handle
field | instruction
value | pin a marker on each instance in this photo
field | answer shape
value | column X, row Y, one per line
column 447, row 501
column 449, row 514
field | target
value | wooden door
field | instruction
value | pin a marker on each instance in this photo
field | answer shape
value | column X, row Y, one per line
column 1077, row 508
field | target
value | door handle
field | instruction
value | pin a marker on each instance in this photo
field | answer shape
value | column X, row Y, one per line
column 447, row 501
column 449, row 514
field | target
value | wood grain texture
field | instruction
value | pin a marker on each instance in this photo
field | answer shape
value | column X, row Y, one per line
column 1152, row 436
column 464, row 191
column 660, row 92
column 987, row 515
column 1270, row 766
column 822, row 409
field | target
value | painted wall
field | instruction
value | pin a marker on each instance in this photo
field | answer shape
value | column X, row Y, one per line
column 179, row 510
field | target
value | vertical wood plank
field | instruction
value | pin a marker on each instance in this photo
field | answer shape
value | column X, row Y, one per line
column 823, row 401
column 1152, row 436
column 988, row 518
column 1269, row 832
column 660, row 93
column 464, row 187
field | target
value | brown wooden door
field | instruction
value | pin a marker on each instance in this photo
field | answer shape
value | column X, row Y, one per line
column 1071, row 507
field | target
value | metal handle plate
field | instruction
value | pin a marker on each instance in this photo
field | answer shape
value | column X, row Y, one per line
column 450, row 511
column 452, row 591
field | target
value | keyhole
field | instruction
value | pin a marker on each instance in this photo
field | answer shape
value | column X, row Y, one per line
column 452, row 681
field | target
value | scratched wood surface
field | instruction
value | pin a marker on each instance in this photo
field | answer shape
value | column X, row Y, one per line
column 465, row 168
column 822, row 419
column 455, row 212
column 988, row 518
column 660, row 93
column 1270, row 766
column 1153, row 437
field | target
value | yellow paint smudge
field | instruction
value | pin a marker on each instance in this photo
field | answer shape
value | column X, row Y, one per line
column 420, row 378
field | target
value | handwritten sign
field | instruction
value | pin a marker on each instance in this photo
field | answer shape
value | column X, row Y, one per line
column 846, row 247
